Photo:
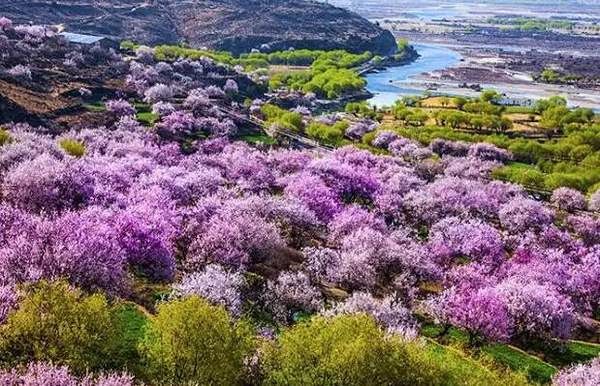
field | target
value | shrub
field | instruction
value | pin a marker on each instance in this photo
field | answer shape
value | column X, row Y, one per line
column 489, row 152
column 570, row 180
column 352, row 350
column 191, row 341
column 57, row 323
column 5, row 137
column 20, row 72
column 282, row 118
column 292, row 292
column 349, row 350
column 73, row 147
column 158, row 92
column 383, row 139
column 327, row 133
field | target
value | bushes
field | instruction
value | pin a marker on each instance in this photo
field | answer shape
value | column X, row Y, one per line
column 568, row 199
column 5, row 137
column 282, row 118
column 73, row 147
column 332, row 134
column 579, row 375
column 576, row 177
column 572, row 161
column 348, row 350
column 352, row 350
column 59, row 324
column 192, row 341
column 334, row 82
column 330, row 75
column 529, row 177
column 307, row 57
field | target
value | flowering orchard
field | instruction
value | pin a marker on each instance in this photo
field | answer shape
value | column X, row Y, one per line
column 274, row 236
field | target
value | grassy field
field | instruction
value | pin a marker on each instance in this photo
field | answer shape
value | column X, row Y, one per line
column 539, row 363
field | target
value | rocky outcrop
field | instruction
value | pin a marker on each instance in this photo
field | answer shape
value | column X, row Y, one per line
column 232, row 25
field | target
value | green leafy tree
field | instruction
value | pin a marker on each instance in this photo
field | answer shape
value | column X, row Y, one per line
column 550, row 76
column 59, row 324
column 544, row 104
column 553, row 118
column 490, row 96
column 352, row 350
column 459, row 102
column 348, row 350
column 332, row 134
column 192, row 341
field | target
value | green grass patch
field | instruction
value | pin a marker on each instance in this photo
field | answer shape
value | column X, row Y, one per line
column 573, row 352
column 142, row 107
column 477, row 371
column 259, row 138
column 454, row 336
column 536, row 369
column 132, row 321
column 95, row 107
column 504, row 355
column 144, row 114
column 147, row 118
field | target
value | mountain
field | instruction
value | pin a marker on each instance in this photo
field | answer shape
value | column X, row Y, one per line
column 232, row 25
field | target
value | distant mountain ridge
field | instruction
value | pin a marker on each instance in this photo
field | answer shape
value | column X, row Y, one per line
column 232, row 25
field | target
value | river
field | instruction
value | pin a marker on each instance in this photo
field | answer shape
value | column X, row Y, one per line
column 388, row 85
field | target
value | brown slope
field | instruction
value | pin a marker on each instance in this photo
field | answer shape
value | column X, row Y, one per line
column 233, row 25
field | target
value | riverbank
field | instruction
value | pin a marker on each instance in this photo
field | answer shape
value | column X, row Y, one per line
column 391, row 83
column 450, row 70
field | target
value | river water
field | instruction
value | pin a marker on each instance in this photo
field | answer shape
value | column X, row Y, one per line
column 390, row 84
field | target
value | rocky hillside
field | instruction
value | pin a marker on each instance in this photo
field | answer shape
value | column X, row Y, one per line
column 233, row 25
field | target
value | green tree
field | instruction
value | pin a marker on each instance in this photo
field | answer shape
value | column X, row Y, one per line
column 192, row 341
column 553, row 118
column 352, row 350
column 544, row 104
column 459, row 102
column 490, row 96
column 418, row 117
column 347, row 350
column 330, row 134
column 549, row 75
column 57, row 323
